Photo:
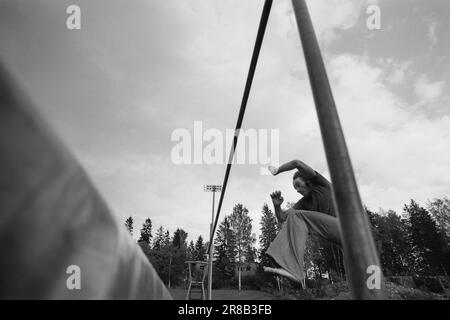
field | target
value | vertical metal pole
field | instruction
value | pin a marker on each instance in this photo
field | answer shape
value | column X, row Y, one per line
column 211, row 251
column 359, row 248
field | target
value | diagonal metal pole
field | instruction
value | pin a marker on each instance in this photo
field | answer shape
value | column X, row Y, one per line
column 248, row 84
column 361, row 259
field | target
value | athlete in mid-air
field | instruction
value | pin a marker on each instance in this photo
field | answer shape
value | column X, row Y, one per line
column 314, row 212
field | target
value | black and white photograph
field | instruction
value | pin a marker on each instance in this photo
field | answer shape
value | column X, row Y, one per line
column 245, row 151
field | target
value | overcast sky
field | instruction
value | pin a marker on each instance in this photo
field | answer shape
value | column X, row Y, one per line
column 116, row 90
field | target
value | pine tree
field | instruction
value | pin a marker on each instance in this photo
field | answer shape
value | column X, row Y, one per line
column 191, row 251
column 146, row 232
column 440, row 210
column 161, row 256
column 224, row 252
column 313, row 259
column 178, row 251
column 159, row 241
column 179, row 239
column 129, row 224
column 391, row 238
column 268, row 233
column 199, row 250
column 426, row 239
column 166, row 239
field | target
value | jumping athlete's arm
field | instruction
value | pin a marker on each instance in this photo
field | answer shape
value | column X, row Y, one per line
column 277, row 200
column 306, row 171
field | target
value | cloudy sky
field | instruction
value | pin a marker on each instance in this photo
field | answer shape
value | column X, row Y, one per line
column 116, row 90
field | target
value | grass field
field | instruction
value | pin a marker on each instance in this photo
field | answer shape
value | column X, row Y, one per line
column 337, row 291
column 180, row 294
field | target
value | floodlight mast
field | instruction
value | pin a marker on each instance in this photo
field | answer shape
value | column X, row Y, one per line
column 211, row 188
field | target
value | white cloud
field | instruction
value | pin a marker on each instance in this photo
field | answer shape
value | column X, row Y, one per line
column 395, row 72
column 427, row 90
column 431, row 33
column 397, row 154
column 328, row 16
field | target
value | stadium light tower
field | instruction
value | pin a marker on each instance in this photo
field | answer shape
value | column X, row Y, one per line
column 211, row 188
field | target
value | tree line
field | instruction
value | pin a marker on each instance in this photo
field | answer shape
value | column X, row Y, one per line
column 415, row 242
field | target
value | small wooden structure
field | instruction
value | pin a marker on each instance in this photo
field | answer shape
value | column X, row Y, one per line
column 197, row 275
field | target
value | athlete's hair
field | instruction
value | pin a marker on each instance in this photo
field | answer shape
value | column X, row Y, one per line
column 297, row 174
